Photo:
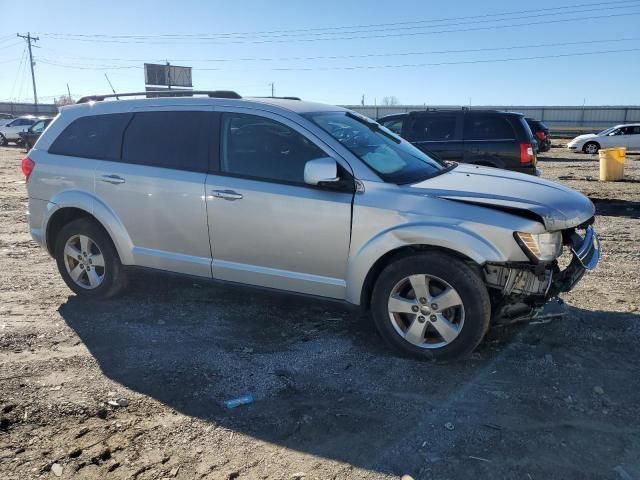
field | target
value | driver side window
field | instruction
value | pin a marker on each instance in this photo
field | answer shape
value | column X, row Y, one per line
column 262, row 148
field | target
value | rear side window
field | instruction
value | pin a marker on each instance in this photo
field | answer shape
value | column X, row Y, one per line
column 433, row 128
column 487, row 127
column 167, row 139
column 96, row 136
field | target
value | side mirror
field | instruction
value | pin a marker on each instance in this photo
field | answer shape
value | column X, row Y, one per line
column 321, row 172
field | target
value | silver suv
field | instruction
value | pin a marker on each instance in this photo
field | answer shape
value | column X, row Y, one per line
column 303, row 197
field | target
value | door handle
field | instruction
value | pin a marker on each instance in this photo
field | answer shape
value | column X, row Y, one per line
column 113, row 179
column 226, row 194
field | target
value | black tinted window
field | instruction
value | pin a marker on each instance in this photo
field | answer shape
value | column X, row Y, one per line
column 259, row 147
column 167, row 140
column 487, row 127
column 395, row 125
column 433, row 127
column 97, row 136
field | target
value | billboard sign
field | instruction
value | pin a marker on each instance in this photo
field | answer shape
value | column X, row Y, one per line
column 167, row 75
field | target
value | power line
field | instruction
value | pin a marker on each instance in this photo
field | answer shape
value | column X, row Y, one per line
column 350, row 57
column 498, row 60
column 606, row 5
column 15, row 80
column 361, row 37
column 359, row 67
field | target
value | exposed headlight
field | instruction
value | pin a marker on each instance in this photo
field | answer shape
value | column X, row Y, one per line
column 540, row 247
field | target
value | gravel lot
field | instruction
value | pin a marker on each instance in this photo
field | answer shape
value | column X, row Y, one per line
column 548, row 401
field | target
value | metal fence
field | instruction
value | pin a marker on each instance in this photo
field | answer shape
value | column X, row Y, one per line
column 18, row 109
column 570, row 119
column 557, row 118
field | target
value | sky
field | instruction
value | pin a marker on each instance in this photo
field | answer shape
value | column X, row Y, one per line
column 565, row 52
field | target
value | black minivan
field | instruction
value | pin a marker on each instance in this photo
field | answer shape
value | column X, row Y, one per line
column 492, row 138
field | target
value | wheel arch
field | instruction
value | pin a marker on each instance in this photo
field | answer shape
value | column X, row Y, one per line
column 69, row 206
column 394, row 255
column 366, row 264
column 595, row 142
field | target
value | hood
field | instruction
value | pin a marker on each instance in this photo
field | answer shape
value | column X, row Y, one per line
column 557, row 206
column 586, row 136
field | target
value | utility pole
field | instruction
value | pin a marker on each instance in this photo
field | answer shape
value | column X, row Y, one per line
column 29, row 40
column 169, row 74
column 362, row 101
column 69, row 91
column 273, row 88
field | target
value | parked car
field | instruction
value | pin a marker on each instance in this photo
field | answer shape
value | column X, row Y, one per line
column 11, row 131
column 307, row 198
column 31, row 134
column 490, row 138
column 5, row 118
column 541, row 133
column 627, row 136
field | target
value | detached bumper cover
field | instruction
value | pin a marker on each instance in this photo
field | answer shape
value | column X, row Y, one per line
column 586, row 255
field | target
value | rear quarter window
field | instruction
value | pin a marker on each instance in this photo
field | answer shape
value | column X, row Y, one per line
column 488, row 127
column 95, row 136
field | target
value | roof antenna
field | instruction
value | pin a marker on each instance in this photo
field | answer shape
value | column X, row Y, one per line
column 112, row 89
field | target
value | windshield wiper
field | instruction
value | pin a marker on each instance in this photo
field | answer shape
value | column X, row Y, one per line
column 373, row 126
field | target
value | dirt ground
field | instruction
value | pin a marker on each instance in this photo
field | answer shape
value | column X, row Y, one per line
column 547, row 401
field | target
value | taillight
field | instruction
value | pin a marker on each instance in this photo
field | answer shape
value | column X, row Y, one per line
column 526, row 153
column 540, row 134
column 27, row 167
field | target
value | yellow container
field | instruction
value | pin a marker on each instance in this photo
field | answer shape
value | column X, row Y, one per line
column 612, row 164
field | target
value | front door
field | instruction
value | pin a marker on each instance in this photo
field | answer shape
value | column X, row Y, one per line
column 268, row 227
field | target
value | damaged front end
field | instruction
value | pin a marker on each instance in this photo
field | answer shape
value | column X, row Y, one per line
column 522, row 291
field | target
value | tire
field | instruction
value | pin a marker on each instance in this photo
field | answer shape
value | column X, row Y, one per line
column 591, row 147
column 96, row 281
column 469, row 320
column 3, row 140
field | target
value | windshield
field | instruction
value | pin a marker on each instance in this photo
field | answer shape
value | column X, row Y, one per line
column 607, row 131
column 393, row 159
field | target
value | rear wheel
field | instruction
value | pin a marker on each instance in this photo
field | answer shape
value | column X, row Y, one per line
column 591, row 147
column 88, row 261
column 431, row 306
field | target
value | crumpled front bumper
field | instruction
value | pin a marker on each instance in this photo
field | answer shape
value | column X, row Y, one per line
column 586, row 255
column 544, row 281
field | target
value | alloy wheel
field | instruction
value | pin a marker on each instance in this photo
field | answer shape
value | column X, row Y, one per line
column 591, row 148
column 84, row 261
column 426, row 311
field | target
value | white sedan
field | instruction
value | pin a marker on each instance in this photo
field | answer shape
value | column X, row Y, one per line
column 11, row 131
column 619, row 136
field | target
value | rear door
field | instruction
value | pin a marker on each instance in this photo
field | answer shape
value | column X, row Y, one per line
column 436, row 133
column 267, row 226
column 156, row 188
column 490, row 139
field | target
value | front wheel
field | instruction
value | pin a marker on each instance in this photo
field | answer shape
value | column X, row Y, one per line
column 591, row 148
column 88, row 260
column 431, row 306
column 3, row 140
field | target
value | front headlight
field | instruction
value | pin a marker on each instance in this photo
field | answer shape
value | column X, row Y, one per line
column 540, row 247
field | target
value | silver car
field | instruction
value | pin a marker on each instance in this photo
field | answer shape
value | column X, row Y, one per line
column 307, row 198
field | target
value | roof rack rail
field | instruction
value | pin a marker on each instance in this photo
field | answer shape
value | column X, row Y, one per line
column 163, row 93
column 283, row 98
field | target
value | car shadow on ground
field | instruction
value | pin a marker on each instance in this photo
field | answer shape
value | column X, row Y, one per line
column 322, row 380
